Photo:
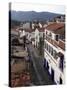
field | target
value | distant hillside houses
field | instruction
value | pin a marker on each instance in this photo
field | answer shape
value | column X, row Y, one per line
column 60, row 18
column 34, row 30
column 26, row 25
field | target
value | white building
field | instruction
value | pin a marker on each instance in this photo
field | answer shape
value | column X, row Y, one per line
column 60, row 18
column 39, row 32
column 40, row 25
column 26, row 25
column 22, row 33
column 54, row 48
column 36, row 37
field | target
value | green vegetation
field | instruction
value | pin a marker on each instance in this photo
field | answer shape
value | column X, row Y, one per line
column 15, row 23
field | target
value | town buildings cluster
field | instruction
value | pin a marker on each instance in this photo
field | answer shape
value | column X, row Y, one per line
column 53, row 36
column 19, row 63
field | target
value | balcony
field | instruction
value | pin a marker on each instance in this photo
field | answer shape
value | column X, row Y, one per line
column 59, row 43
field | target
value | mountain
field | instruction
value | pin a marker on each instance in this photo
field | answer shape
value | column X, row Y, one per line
column 32, row 15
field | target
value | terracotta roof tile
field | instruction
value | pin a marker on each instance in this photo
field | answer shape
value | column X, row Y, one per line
column 55, row 26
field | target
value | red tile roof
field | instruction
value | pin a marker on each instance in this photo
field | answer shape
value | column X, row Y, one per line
column 55, row 26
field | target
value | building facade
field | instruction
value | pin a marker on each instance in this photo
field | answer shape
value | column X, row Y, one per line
column 54, row 49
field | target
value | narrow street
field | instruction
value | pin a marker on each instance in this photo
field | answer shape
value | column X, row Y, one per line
column 41, row 75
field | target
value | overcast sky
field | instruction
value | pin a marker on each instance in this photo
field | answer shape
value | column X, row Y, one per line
column 38, row 7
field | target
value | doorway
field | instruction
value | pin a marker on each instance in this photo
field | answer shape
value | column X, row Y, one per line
column 44, row 63
column 52, row 74
column 60, row 81
column 47, row 66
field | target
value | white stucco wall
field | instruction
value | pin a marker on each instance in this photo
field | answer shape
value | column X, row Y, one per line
column 57, row 72
column 36, row 36
column 54, row 64
column 22, row 33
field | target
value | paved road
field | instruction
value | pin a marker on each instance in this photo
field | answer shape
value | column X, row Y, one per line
column 41, row 72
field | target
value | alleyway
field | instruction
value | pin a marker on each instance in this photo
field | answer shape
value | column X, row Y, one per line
column 43, row 77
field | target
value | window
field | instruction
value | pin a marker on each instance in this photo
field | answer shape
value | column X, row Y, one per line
column 47, row 46
column 46, row 32
column 51, row 51
column 56, row 37
column 50, row 35
column 62, row 37
column 54, row 54
column 61, row 62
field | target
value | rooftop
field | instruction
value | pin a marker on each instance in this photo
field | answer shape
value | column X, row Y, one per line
column 58, row 28
column 20, row 54
column 55, row 26
column 18, row 67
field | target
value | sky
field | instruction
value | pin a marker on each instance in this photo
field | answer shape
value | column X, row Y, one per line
column 39, row 7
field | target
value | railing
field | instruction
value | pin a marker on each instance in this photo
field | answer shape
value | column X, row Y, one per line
column 62, row 44
column 56, row 43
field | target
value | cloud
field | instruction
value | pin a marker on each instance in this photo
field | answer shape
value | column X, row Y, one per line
column 38, row 7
